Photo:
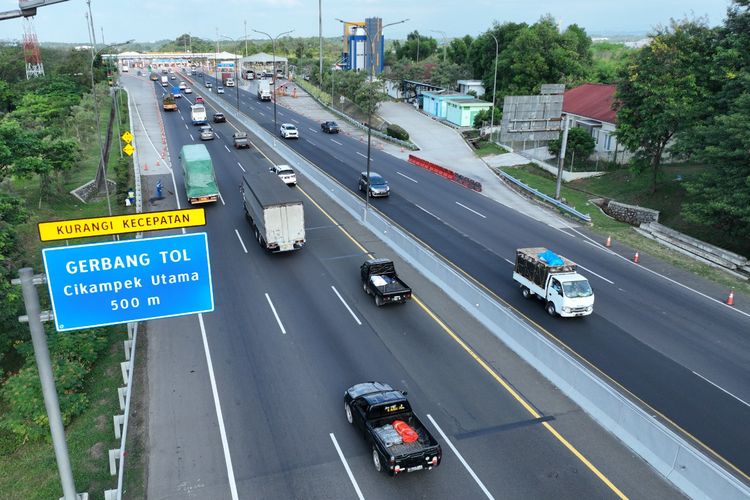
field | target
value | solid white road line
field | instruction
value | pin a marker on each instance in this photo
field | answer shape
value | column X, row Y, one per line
column 221, row 198
column 466, row 465
column 722, row 389
column 346, row 466
column 243, row 168
column 346, row 305
column 337, row 142
column 278, row 320
column 402, row 175
column 241, row 242
column 219, row 416
column 509, row 261
column 427, row 211
column 471, row 210
column 225, row 147
column 598, row 275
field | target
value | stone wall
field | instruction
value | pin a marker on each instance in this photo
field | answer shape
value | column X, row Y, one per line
column 631, row 214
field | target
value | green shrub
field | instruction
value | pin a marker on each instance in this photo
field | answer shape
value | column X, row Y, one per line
column 122, row 177
column 397, row 132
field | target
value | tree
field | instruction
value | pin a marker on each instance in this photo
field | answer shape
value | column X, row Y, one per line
column 448, row 73
column 368, row 96
column 458, row 50
column 484, row 117
column 580, row 145
column 416, row 47
column 662, row 92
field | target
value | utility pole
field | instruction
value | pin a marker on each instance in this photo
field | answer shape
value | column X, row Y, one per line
column 561, row 159
column 320, row 36
column 245, row 37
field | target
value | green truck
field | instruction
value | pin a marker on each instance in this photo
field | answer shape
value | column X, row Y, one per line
column 198, row 172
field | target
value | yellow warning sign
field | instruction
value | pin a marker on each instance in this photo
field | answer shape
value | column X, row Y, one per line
column 127, row 136
column 128, row 149
column 119, row 224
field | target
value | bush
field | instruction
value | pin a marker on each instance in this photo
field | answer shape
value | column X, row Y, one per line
column 122, row 177
column 397, row 132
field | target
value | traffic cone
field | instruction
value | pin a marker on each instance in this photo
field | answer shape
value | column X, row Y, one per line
column 145, row 167
column 609, row 238
column 636, row 258
column 730, row 299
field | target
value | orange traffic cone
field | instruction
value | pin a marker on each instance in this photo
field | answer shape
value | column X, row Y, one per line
column 636, row 258
column 145, row 167
column 609, row 241
column 730, row 299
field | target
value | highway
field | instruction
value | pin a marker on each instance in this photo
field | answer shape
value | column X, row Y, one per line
column 291, row 332
column 680, row 352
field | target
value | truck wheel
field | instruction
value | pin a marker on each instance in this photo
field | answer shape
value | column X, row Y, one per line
column 348, row 411
column 525, row 292
column 364, row 287
column 378, row 301
column 376, row 460
column 551, row 309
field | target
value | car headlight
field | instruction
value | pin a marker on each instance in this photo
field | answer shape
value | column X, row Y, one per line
column 566, row 309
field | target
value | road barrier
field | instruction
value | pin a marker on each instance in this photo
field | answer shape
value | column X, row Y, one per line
column 669, row 453
column 446, row 172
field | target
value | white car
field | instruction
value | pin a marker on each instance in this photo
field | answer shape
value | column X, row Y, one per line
column 188, row 90
column 289, row 131
column 219, row 90
column 285, row 173
column 183, row 85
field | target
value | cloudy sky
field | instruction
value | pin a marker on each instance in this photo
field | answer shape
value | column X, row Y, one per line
column 148, row 20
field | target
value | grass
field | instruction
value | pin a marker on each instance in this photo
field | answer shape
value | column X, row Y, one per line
column 624, row 186
column 30, row 471
column 487, row 148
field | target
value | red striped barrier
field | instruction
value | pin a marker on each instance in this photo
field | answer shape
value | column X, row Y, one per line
column 447, row 173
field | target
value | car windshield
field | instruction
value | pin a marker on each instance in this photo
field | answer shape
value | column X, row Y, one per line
column 377, row 180
column 576, row 289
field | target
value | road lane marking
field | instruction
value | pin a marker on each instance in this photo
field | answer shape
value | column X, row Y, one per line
column 461, row 458
column 225, row 147
column 219, row 416
column 240, row 238
column 427, row 211
column 240, row 165
column 525, row 404
column 598, row 275
column 351, row 238
column 308, row 140
column 295, row 121
column 192, row 138
column 402, row 175
column 278, row 320
column 471, row 210
column 346, row 305
column 186, row 127
column 722, row 389
column 312, row 130
column 221, row 198
column 216, row 134
column 346, row 466
column 337, row 142
column 261, row 113
column 509, row 261
column 364, row 156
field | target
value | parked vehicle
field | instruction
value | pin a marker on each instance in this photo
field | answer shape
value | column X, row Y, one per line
column 380, row 280
column 275, row 213
column 285, row 173
column 555, row 280
column 264, row 90
column 198, row 173
column 207, row 133
column 168, row 103
column 330, row 127
column 288, row 131
column 399, row 441
column 240, row 140
column 198, row 114
column 219, row 118
column 376, row 187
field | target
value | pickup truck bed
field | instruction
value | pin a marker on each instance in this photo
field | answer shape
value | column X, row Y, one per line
column 379, row 278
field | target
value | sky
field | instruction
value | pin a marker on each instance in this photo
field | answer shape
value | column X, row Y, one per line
column 150, row 20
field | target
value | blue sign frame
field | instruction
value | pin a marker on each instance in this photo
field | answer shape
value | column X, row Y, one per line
column 101, row 284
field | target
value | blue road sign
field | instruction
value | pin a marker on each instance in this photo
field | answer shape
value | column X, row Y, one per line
column 117, row 282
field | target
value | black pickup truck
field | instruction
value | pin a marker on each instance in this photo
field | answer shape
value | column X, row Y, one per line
column 379, row 278
column 378, row 410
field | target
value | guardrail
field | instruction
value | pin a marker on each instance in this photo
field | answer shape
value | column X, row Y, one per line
column 548, row 199
column 676, row 459
column 447, row 173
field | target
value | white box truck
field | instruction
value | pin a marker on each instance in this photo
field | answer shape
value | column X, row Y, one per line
column 198, row 114
column 264, row 90
column 164, row 80
column 275, row 212
column 555, row 280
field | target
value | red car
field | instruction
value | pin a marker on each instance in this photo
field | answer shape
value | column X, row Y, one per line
column 198, row 100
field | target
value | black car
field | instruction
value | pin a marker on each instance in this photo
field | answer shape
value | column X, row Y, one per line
column 330, row 127
column 219, row 118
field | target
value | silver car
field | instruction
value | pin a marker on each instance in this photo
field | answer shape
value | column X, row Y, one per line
column 207, row 133
column 289, row 131
column 285, row 173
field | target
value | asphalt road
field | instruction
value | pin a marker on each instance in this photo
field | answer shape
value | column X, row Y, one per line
column 291, row 332
column 682, row 353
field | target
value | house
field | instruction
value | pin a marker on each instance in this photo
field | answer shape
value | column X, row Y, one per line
column 435, row 102
column 589, row 106
column 464, row 86
column 461, row 112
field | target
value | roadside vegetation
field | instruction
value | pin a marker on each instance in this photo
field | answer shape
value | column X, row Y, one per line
column 49, row 147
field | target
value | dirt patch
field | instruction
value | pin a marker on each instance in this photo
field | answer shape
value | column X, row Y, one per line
column 101, row 422
column 98, row 451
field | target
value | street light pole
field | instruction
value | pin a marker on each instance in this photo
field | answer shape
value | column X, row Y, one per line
column 236, row 69
column 273, row 51
column 371, row 63
column 445, row 41
column 494, row 89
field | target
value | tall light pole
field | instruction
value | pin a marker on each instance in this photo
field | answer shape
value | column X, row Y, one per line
column 371, row 63
column 236, row 71
column 101, row 172
column 246, row 38
column 216, row 59
column 445, row 41
column 273, row 53
column 320, row 37
column 494, row 89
